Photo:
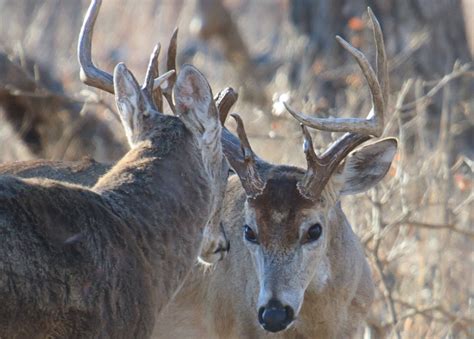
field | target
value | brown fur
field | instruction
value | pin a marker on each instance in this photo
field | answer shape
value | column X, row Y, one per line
column 212, row 304
column 280, row 194
column 84, row 172
column 223, row 302
column 102, row 262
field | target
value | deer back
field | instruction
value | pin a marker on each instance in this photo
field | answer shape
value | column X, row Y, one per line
column 84, row 172
column 72, row 267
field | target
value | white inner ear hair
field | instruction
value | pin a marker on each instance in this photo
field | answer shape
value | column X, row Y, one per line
column 185, row 99
column 330, row 193
column 128, row 118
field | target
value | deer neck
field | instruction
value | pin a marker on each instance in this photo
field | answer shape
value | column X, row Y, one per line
column 159, row 177
column 150, row 171
column 161, row 190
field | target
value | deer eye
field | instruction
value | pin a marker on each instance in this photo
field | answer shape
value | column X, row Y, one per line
column 314, row 232
column 250, row 234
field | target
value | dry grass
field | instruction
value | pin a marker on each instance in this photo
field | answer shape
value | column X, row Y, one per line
column 417, row 226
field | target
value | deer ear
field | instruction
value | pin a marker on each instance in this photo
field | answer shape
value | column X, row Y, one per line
column 194, row 100
column 127, row 98
column 365, row 167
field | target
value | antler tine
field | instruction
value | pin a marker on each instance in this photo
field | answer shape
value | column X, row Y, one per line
column 164, row 77
column 156, row 93
column 381, row 57
column 307, row 186
column 152, row 69
column 312, row 159
column 225, row 99
column 373, row 124
column 152, row 80
column 89, row 73
column 151, row 87
column 171, row 61
column 244, row 141
column 151, row 74
column 247, row 170
column 171, row 65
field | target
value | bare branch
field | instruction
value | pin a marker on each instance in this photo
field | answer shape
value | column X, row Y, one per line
column 458, row 71
column 450, row 227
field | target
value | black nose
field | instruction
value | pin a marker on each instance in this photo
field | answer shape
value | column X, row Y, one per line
column 275, row 317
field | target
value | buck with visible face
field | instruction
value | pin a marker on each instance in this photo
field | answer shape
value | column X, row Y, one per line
column 103, row 261
column 295, row 267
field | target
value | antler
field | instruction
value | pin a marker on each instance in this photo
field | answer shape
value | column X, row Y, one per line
column 151, row 73
column 225, row 99
column 373, row 124
column 231, row 145
column 320, row 168
column 89, row 73
column 153, row 93
column 171, row 65
column 246, row 169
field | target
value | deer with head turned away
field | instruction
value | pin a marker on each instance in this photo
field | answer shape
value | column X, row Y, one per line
column 87, row 171
column 101, row 262
column 295, row 268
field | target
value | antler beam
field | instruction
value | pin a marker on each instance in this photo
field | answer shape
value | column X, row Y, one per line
column 89, row 73
column 373, row 124
column 321, row 168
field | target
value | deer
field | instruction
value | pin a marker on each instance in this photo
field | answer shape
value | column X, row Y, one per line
column 295, row 268
column 103, row 261
column 87, row 171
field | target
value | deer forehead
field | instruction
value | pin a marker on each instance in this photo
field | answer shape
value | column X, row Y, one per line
column 280, row 211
